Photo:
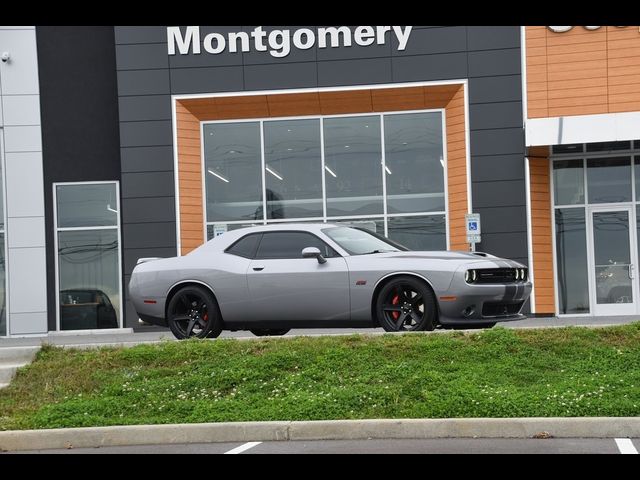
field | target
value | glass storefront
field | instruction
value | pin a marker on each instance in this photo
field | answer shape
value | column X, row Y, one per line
column 88, row 261
column 595, row 196
column 385, row 172
column 3, row 271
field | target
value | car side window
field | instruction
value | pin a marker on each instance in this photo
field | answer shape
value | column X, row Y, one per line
column 290, row 245
column 246, row 246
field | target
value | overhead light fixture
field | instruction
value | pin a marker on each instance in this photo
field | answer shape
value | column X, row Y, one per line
column 274, row 173
column 388, row 170
column 218, row 176
column 442, row 162
column 347, row 146
column 331, row 172
column 289, row 149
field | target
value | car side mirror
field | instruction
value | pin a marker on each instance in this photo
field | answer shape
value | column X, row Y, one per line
column 313, row 252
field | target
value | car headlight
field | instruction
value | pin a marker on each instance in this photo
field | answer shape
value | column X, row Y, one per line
column 470, row 276
column 517, row 274
column 523, row 274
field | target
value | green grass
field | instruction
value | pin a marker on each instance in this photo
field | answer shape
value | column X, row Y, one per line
column 494, row 373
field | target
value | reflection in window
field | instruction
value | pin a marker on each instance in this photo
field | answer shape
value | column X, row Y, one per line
column 609, row 180
column 293, row 164
column 419, row 233
column 221, row 229
column 612, row 257
column 89, row 279
column 568, row 182
column 353, row 164
column 572, row 148
column 233, row 171
column 607, row 146
column 3, row 292
column 414, row 163
column 88, row 257
column 571, row 249
column 372, row 224
column 92, row 205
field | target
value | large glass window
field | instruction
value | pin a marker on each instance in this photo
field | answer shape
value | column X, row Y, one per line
column 293, row 164
column 3, row 271
column 568, row 182
column 88, row 256
column 609, row 180
column 233, row 171
column 414, row 163
column 571, row 250
column 331, row 169
column 353, row 164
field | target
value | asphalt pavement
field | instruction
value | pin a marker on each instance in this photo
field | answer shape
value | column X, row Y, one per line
column 150, row 334
column 377, row 447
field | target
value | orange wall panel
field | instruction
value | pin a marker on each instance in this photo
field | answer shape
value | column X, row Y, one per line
column 582, row 72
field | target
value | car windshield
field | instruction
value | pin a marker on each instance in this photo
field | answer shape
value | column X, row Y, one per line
column 358, row 241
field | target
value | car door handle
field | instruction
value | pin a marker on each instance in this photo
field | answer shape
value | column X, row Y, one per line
column 258, row 269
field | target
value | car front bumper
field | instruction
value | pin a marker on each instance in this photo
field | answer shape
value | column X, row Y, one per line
column 469, row 304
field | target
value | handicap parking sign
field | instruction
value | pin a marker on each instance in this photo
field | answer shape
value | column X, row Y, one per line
column 474, row 229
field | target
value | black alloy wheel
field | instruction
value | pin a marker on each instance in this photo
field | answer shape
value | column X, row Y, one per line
column 193, row 313
column 406, row 304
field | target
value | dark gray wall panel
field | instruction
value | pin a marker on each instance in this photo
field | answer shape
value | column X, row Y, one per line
column 507, row 193
column 148, row 184
column 267, row 77
column 205, row 59
column 143, row 82
column 507, row 245
column 496, row 37
column 495, row 115
column 141, row 34
column 147, row 159
column 148, row 107
column 218, row 79
column 430, row 67
column 490, row 168
column 354, row 72
column 354, row 52
column 433, row 40
column 149, row 235
column 495, row 89
column 490, row 63
column 142, row 56
column 503, row 219
column 132, row 255
column 148, row 210
column 141, row 134
column 500, row 141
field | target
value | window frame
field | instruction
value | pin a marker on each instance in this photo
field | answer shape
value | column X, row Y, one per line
column 255, row 250
column 327, row 219
column 57, row 230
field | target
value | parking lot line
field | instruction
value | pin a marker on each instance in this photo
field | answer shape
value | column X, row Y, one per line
column 244, row 448
column 626, row 447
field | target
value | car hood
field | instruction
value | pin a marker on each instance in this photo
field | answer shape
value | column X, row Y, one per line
column 490, row 261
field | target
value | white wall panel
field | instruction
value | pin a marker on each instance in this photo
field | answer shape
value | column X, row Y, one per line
column 21, row 110
column 29, row 323
column 26, row 232
column 28, row 279
column 20, row 73
column 22, row 139
column 24, row 183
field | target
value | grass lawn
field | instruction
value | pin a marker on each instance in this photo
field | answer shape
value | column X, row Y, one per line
column 493, row 373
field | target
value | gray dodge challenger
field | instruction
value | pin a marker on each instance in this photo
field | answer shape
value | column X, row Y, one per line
column 270, row 279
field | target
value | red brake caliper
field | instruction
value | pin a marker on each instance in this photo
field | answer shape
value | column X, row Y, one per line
column 395, row 301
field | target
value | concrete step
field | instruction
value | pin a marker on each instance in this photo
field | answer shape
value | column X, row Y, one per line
column 8, row 371
column 3, row 385
column 9, row 355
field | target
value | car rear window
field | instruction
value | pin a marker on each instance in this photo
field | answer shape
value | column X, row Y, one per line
column 245, row 247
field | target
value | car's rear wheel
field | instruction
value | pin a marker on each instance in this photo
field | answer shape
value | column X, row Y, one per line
column 193, row 313
column 406, row 304
column 270, row 332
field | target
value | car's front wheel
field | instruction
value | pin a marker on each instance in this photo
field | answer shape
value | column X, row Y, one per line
column 193, row 313
column 406, row 304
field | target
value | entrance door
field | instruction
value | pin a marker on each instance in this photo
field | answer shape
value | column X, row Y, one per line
column 613, row 265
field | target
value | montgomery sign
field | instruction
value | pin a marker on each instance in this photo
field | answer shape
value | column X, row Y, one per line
column 280, row 42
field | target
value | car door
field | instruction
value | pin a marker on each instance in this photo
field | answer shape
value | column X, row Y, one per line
column 284, row 286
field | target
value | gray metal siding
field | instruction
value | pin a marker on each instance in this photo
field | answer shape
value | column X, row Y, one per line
column 489, row 57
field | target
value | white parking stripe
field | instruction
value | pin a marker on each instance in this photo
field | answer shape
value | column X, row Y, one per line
column 244, row 448
column 626, row 447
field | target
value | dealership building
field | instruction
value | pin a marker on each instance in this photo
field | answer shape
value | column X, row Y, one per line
column 118, row 143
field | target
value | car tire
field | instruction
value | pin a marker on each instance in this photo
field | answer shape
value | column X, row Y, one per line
column 406, row 304
column 193, row 313
column 270, row 332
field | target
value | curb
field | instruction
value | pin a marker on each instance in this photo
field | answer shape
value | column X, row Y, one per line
column 241, row 432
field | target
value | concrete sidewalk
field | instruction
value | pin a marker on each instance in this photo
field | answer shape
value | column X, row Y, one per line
column 155, row 334
column 321, row 430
